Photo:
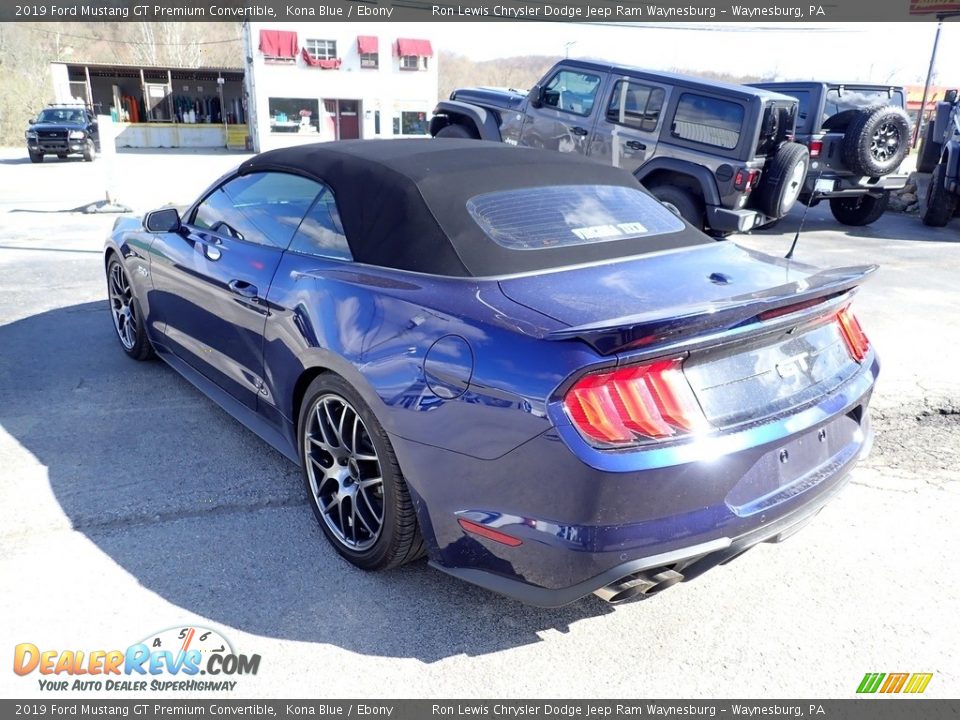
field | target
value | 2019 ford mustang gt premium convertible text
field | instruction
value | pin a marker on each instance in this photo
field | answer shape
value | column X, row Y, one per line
column 514, row 361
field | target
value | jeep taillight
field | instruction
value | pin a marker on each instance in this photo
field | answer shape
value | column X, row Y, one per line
column 816, row 147
column 745, row 179
column 853, row 335
column 634, row 404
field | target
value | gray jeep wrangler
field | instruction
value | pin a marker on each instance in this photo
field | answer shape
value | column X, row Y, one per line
column 718, row 155
column 858, row 136
column 940, row 154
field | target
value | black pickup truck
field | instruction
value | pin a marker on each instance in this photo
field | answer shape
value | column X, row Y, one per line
column 63, row 130
column 717, row 154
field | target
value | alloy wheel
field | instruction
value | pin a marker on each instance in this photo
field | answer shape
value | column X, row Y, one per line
column 122, row 308
column 885, row 142
column 344, row 472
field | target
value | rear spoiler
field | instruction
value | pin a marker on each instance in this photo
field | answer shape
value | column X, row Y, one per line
column 684, row 321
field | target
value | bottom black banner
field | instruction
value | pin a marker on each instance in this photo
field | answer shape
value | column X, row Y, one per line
column 878, row 708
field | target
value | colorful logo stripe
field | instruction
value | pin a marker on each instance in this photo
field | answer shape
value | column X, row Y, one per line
column 914, row 683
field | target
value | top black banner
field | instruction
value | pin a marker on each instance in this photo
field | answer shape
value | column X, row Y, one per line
column 601, row 11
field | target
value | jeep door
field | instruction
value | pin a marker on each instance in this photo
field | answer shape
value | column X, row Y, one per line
column 626, row 131
column 569, row 105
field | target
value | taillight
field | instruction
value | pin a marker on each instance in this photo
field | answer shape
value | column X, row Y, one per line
column 745, row 180
column 816, row 147
column 853, row 335
column 635, row 403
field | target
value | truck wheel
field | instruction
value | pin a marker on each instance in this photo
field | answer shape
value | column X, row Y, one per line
column 930, row 151
column 940, row 205
column 458, row 131
column 36, row 157
column 877, row 141
column 90, row 152
column 782, row 182
column 860, row 210
column 681, row 203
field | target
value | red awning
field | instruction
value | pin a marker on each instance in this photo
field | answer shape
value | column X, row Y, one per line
column 367, row 44
column 322, row 63
column 408, row 46
column 278, row 43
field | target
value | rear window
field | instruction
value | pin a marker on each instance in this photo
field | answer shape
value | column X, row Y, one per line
column 569, row 215
column 856, row 98
column 708, row 121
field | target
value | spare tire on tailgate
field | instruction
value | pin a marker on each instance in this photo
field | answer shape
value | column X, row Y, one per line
column 876, row 141
column 782, row 180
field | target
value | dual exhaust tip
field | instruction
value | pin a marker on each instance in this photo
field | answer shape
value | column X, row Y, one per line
column 648, row 582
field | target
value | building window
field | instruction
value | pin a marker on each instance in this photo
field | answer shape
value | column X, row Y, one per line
column 370, row 60
column 376, row 122
column 414, row 123
column 322, row 49
column 413, row 62
column 294, row 115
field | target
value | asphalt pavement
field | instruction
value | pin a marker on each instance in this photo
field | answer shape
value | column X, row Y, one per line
column 129, row 503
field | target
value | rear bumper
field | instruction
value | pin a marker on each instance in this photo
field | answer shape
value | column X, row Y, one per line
column 588, row 521
column 689, row 562
column 727, row 220
column 852, row 186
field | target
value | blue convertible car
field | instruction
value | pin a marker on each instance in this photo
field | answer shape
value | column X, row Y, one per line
column 514, row 361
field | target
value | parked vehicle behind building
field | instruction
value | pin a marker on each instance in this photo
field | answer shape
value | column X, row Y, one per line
column 858, row 136
column 63, row 130
column 719, row 155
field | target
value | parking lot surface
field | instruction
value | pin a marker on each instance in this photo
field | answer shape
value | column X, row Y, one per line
column 130, row 503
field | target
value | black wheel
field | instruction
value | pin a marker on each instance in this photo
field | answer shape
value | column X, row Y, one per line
column 36, row 157
column 90, row 152
column 782, row 181
column 681, row 202
column 126, row 314
column 859, row 210
column 940, row 204
column 353, row 480
column 876, row 141
column 930, row 151
column 458, row 131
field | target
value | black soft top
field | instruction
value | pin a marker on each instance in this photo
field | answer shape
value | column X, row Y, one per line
column 403, row 203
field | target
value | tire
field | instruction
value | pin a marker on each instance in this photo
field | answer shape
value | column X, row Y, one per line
column 126, row 313
column 930, row 151
column 877, row 141
column 343, row 446
column 860, row 210
column 940, row 205
column 782, row 182
column 681, row 202
column 90, row 152
column 457, row 130
column 36, row 157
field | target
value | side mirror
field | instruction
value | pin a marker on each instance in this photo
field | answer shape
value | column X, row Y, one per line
column 536, row 96
column 32, row 121
column 950, row 96
column 165, row 220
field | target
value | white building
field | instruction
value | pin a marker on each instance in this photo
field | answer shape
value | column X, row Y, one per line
column 310, row 82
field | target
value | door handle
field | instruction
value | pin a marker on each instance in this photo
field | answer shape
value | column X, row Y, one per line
column 636, row 145
column 243, row 289
column 577, row 130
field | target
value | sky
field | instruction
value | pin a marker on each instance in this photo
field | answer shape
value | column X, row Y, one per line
column 897, row 53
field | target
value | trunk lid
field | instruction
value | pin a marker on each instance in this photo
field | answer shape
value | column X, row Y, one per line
column 786, row 348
